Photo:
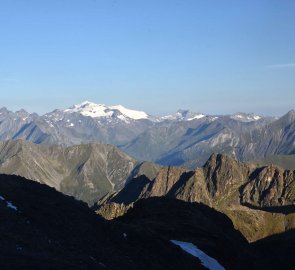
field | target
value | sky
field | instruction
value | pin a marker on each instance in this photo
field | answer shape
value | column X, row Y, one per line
column 209, row 56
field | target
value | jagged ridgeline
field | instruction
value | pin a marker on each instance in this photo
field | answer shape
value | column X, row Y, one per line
column 259, row 200
column 103, row 174
column 185, row 138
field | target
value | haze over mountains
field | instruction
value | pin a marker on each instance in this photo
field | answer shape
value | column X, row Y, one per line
column 185, row 138
column 224, row 202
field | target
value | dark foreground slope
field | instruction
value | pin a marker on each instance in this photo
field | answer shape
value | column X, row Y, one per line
column 41, row 228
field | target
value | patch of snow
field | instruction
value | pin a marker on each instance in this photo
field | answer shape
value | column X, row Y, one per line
column 123, row 118
column 206, row 260
column 10, row 205
column 102, row 264
column 182, row 115
column 92, row 258
column 168, row 117
column 49, row 123
column 198, row 116
column 90, row 109
column 244, row 117
column 256, row 117
column 214, row 118
column 130, row 113
column 72, row 125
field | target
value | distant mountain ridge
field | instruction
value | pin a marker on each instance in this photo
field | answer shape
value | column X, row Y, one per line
column 185, row 138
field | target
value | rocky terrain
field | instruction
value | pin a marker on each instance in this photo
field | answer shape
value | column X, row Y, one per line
column 258, row 200
column 87, row 172
column 44, row 229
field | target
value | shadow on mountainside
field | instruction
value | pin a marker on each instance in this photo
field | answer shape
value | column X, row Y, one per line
column 41, row 228
column 44, row 229
column 279, row 249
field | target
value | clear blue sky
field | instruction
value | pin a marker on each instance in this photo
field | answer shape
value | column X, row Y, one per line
column 211, row 56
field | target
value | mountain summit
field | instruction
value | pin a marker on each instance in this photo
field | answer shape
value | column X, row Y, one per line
column 94, row 110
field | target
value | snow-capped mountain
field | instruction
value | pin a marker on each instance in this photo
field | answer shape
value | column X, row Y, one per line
column 182, row 115
column 174, row 139
column 245, row 117
column 102, row 111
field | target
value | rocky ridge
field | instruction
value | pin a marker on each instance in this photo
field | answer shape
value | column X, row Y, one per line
column 87, row 172
column 259, row 201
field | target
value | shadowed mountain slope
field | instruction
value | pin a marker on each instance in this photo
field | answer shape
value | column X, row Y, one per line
column 44, row 229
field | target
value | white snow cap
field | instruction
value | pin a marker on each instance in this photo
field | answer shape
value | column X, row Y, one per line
column 94, row 110
column 130, row 113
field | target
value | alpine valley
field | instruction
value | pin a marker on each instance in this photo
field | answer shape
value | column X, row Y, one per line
column 107, row 187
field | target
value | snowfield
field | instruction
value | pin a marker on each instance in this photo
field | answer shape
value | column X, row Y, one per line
column 206, row 260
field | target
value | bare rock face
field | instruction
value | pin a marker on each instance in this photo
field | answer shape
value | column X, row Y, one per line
column 165, row 180
column 113, row 210
column 270, row 187
column 258, row 200
column 222, row 173
column 192, row 188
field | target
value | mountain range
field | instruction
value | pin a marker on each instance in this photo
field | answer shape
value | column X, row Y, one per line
column 185, row 138
column 109, row 179
column 242, row 198
column 259, row 200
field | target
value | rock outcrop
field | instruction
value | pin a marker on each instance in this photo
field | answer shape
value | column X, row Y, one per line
column 270, row 187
